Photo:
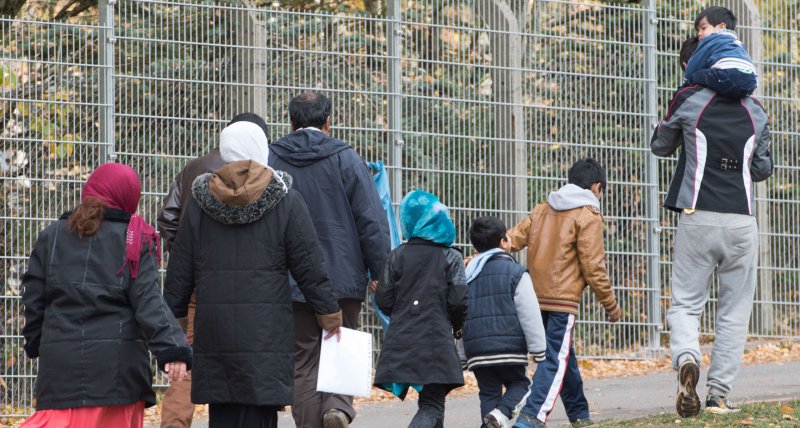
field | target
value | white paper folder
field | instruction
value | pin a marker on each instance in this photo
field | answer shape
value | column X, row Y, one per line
column 345, row 367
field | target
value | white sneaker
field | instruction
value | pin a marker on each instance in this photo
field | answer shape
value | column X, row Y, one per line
column 496, row 419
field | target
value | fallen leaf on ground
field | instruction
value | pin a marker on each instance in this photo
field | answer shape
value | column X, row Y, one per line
column 746, row 421
column 787, row 409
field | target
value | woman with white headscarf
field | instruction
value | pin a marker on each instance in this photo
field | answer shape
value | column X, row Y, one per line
column 242, row 234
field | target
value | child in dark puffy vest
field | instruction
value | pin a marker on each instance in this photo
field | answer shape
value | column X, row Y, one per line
column 503, row 326
column 422, row 289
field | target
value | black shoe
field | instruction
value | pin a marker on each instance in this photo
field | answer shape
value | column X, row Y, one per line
column 719, row 405
column 688, row 402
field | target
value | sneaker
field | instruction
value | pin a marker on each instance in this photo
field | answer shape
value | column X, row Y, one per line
column 688, row 402
column 719, row 405
column 581, row 422
column 496, row 419
column 526, row 421
column 335, row 418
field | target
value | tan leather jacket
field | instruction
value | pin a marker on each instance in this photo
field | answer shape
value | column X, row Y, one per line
column 565, row 253
column 180, row 191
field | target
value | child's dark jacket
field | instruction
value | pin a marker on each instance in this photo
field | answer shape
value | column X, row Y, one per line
column 423, row 289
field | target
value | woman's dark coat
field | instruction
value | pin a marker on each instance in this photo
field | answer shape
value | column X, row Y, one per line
column 237, row 260
column 91, row 328
column 423, row 290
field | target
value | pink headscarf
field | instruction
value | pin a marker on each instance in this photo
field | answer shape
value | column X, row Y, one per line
column 118, row 187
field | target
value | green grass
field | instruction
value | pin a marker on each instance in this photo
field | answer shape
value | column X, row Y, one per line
column 760, row 415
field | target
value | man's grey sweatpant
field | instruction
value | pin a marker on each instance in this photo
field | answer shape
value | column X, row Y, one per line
column 728, row 242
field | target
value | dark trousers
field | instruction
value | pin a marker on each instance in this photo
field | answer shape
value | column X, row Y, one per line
column 228, row 415
column 728, row 82
column 558, row 374
column 491, row 381
column 309, row 405
column 431, row 406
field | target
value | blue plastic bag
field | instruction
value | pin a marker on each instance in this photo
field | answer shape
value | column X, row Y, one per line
column 382, row 184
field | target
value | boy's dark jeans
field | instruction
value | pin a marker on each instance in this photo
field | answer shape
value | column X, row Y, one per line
column 728, row 82
column 491, row 381
column 558, row 374
column 431, row 407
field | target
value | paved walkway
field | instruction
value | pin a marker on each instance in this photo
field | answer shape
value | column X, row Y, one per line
column 622, row 398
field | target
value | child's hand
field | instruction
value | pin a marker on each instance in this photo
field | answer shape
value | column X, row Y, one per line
column 176, row 370
column 615, row 315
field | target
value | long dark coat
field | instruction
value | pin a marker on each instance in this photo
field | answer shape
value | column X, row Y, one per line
column 235, row 259
column 423, row 290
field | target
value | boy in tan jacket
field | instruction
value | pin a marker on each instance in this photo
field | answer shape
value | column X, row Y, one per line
column 564, row 237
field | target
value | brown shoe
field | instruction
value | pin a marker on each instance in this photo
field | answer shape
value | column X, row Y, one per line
column 335, row 418
column 688, row 402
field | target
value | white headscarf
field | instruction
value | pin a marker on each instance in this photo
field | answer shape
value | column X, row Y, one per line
column 245, row 141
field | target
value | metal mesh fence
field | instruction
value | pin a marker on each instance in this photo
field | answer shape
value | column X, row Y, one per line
column 49, row 106
column 485, row 103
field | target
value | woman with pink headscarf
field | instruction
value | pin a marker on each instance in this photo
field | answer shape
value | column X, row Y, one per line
column 93, row 308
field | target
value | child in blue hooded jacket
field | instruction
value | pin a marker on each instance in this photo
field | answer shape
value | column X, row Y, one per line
column 422, row 288
column 720, row 61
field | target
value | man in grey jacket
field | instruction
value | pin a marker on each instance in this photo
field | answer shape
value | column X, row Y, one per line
column 725, row 148
column 353, row 231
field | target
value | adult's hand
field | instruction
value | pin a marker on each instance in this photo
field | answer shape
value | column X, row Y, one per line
column 373, row 285
column 176, row 370
column 334, row 332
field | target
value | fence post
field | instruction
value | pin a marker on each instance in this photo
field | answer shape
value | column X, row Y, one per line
column 510, row 156
column 253, row 64
column 749, row 16
column 653, row 348
column 394, row 37
column 107, row 43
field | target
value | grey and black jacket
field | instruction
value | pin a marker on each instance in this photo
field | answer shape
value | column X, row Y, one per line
column 725, row 148
column 91, row 328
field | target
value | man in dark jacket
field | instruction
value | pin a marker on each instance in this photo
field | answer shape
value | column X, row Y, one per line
column 725, row 148
column 177, row 408
column 354, row 233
